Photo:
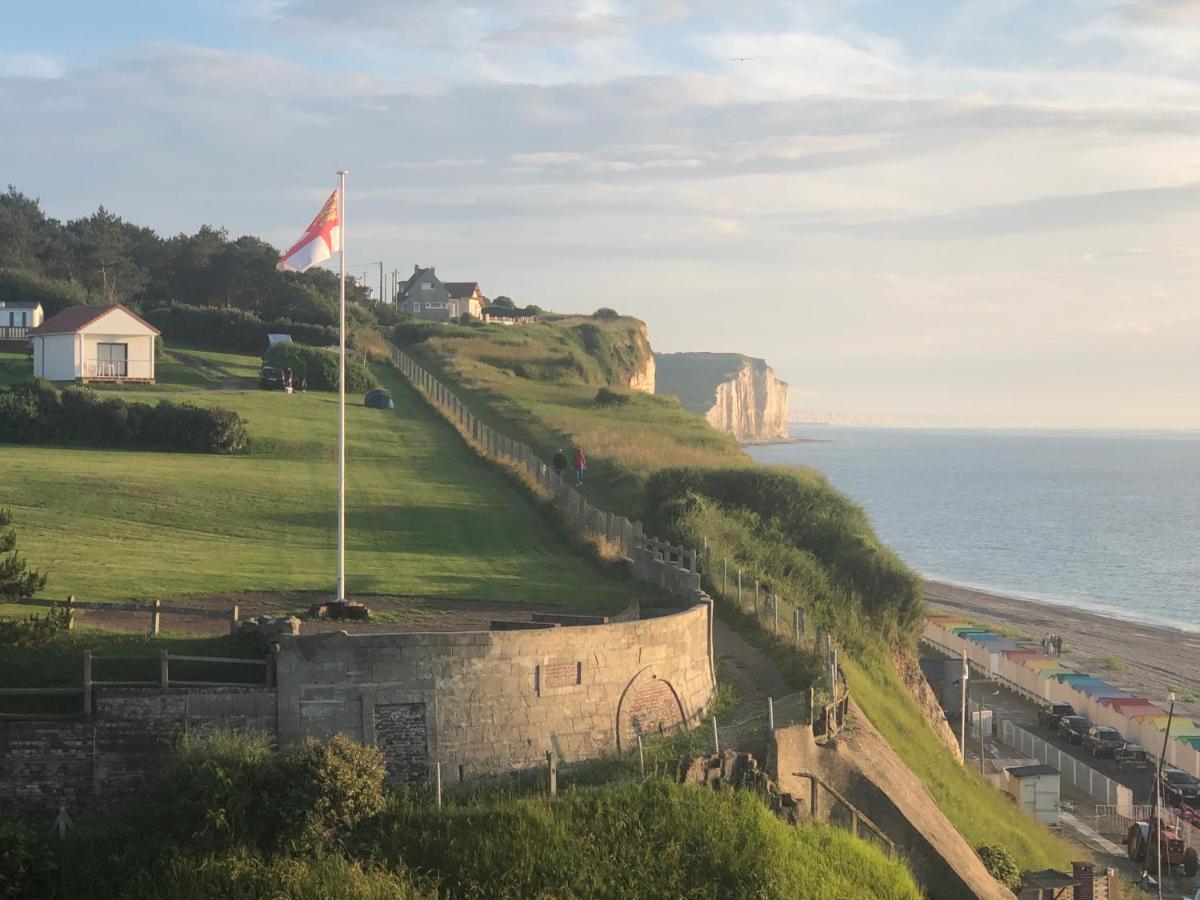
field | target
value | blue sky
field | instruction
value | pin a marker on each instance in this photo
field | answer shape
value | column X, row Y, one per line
column 957, row 210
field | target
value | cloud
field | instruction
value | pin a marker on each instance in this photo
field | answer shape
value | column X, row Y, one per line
column 29, row 65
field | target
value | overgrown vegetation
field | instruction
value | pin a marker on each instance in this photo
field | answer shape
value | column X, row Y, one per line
column 232, row 818
column 810, row 540
column 39, row 413
column 1000, row 865
column 319, row 368
column 232, row 330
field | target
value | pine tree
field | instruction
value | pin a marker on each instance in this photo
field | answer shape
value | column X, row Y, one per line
column 15, row 581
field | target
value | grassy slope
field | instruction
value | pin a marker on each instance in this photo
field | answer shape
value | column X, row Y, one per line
column 423, row 518
column 628, row 443
column 624, row 444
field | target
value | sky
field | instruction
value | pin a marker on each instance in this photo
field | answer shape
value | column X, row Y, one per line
column 961, row 211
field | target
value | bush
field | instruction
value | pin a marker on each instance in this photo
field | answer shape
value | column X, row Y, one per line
column 605, row 397
column 26, row 864
column 1000, row 865
column 605, row 312
column 34, row 630
column 37, row 413
column 319, row 368
column 321, row 790
column 231, row 330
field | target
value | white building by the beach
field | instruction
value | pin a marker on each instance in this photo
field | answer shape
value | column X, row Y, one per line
column 94, row 343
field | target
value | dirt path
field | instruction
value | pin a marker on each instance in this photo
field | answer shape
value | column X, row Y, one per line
column 748, row 670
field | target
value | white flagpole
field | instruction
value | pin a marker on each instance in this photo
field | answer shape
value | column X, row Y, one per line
column 341, row 573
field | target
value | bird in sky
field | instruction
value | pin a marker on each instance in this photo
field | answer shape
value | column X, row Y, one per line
column 742, row 58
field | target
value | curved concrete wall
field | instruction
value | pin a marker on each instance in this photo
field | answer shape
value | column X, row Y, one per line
column 497, row 700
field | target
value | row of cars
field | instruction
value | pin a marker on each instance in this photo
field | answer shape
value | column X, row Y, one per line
column 1180, row 789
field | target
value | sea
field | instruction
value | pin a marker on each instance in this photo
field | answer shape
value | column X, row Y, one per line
column 1107, row 521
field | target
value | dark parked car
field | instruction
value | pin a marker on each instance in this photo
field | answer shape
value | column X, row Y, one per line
column 379, row 400
column 271, row 378
column 1103, row 740
column 1131, row 756
column 1180, row 787
column 1073, row 728
column 1049, row 715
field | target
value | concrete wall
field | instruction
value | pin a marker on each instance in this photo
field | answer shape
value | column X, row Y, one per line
column 494, row 701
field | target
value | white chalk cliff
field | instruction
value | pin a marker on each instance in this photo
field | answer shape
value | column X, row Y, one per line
column 737, row 394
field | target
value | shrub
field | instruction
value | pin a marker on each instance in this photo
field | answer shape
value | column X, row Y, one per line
column 605, row 312
column 231, row 330
column 1000, row 865
column 605, row 397
column 34, row 630
column 38, row 413
column 321, row 789
column 320, row 368
column 26, row 864
column 215, row 787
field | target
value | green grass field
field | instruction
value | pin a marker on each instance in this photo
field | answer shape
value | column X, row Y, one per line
column 423, row 517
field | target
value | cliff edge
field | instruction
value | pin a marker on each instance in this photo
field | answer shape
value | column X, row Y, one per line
column 737, row 394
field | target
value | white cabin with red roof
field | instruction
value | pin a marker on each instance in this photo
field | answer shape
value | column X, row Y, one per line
column 94, row 343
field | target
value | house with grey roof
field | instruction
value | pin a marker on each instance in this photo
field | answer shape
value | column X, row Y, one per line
column 427, row 296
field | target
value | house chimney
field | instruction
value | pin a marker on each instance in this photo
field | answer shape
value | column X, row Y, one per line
column 416, row 269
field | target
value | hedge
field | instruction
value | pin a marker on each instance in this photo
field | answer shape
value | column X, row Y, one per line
column 319, row 368
column 37, row 413
column 231, row 330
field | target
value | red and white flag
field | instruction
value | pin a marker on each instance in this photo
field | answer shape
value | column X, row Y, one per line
column 321, row 239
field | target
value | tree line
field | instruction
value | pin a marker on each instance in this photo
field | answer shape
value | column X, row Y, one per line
column 102, row 259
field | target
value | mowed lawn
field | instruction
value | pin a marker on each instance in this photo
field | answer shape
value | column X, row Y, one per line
column 424, row 517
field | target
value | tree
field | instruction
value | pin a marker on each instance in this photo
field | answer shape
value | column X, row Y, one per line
column 506, row 302
column 15, row 581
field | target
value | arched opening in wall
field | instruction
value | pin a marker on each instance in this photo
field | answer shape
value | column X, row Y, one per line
column 649, row 705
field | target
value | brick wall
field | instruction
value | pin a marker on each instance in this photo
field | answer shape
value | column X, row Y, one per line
column 125, row 743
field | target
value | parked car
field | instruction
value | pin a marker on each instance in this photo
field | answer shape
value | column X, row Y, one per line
column 1049, row 716
column 1102, row 740
column 379, row 399
column 1131, row 756
column 1180, row 787
column 1073, row 728
column 272, row 378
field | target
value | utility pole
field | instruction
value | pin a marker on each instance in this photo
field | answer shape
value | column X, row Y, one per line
column 962, row 722
column 381, row 281
column 1156, row 810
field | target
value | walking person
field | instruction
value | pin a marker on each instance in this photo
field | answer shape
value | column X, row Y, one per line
column 559, row 462
column 580, row 464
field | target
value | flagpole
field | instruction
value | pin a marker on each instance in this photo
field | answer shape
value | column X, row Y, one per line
column 341, row 573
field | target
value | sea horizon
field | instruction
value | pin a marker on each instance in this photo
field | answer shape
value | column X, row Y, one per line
column 1099, row 520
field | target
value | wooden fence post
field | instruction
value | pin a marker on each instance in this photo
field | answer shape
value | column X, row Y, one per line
column 233, row 619
column 553, row 764
column 155, row 618
column 716, row 738
column 438, row 782
column 164, row 678
column 641, row 757
column 87, row 683
column 770, row 714
column 70, row 612
column 739, row 574
column 724, row 578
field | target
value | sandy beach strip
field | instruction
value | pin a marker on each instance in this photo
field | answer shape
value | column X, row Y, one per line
column 1146, row 660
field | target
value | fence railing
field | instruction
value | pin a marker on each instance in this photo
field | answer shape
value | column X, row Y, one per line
column 154, row 610
column 859, row 824
column 788, row 622
column 14, row 332
column 162, row 679
column 1079, row 774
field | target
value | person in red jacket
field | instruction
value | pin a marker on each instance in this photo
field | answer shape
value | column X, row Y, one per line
column 580, row 465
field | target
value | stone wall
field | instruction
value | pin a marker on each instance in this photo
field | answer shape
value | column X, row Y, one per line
column 499, row 700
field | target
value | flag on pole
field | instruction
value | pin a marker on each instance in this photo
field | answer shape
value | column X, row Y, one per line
column 321, row 239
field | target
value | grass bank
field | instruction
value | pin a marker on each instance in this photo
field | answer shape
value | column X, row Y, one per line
column 423, row 518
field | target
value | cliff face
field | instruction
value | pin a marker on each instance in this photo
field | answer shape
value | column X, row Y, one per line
column 643, row 379
column 737, row 394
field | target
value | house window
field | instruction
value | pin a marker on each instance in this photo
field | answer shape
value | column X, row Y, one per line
column 112, row 360
column 435, row 305
column 416, row 307
column 427, row 285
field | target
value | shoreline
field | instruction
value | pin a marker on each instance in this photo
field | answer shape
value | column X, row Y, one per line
column 1141, row 657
